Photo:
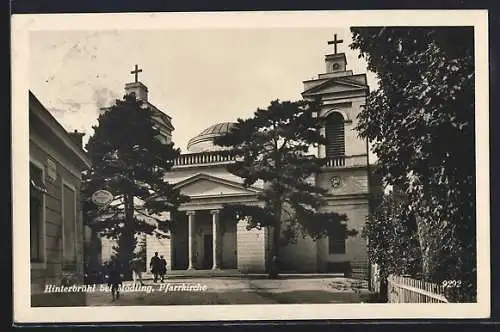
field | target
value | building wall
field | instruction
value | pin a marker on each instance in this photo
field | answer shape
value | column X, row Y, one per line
column 229, row 245
column 51, row 272
column 350, row 198
column 354, row 144
column 160, row 245
column 300, row 256
column 180, row 246
column 356, row 249
column 251, row 248
column 353, row 182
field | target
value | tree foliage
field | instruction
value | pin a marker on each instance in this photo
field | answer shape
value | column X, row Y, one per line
column 131, row 162
column 421, row 124
column 275, row 147
column 392, row 231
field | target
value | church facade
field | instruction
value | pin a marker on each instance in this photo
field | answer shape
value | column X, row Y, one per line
column 203, row 240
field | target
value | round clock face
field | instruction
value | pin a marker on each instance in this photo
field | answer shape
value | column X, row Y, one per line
column 335, row 181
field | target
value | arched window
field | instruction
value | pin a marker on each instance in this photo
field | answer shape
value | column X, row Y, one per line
column 334, row 132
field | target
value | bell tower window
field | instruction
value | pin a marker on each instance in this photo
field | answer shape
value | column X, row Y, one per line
column 335, row 136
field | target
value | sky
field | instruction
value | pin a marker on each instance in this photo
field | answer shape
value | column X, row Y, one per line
column 199, row 77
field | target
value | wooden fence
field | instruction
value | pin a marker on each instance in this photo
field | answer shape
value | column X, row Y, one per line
column 408, row 290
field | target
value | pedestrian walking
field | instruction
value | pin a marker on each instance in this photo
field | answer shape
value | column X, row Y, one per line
column 154, row 265
column 163, row 268
column 137, row 269
column 115, row 280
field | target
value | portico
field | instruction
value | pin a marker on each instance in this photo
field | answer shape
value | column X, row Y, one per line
column 200, row 256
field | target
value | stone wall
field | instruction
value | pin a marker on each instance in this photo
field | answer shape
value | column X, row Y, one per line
column 160, row 245
column 300, row 256
column 350, row 198
column 353, row 181
column 356, row 247
column 251, row 249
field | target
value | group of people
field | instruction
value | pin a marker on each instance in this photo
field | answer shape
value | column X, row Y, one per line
column 158, row 266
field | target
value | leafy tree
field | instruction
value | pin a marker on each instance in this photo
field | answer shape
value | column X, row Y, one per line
column 420, row 121
column 130, row 161
column 274, row 146
column 392, row 231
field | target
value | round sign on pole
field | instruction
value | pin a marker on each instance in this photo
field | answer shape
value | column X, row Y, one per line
column 102, row 197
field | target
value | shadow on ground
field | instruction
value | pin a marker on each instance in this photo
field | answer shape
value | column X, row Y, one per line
column 58, row 300
column 314, row 297
column 221, row 291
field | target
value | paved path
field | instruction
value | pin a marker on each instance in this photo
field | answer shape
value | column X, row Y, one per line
column 219, row 290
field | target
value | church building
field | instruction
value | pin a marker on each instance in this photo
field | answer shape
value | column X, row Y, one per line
column 206, row 241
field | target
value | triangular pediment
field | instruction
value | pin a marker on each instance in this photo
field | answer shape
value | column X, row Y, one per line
column 336, row 85
column 205, row 185
column 160, row 116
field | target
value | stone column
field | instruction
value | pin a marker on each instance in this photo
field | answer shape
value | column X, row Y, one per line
column 215, row 238
column 191, row 226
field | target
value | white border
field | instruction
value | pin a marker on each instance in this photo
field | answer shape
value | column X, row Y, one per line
column 23, row 24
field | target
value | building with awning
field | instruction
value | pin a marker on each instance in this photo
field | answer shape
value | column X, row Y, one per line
column 57, row 160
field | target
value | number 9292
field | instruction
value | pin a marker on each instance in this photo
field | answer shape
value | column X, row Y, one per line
column 451, row 283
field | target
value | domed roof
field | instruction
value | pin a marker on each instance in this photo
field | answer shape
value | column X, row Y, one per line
column 204, row 140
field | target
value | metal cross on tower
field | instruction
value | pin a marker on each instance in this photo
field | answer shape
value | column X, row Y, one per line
column 136, row 73
column 335, row 41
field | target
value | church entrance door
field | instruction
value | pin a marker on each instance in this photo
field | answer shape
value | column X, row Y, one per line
column 207, row 251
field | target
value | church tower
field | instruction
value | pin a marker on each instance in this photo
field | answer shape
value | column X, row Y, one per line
column 136, row 88
column 342, row 96
column 162, row 121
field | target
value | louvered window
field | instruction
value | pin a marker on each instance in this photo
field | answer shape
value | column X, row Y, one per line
column 336, row 241
column 335, row 135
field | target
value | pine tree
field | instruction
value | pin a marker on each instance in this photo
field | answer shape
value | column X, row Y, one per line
column 129, row 160
column 275, row 147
